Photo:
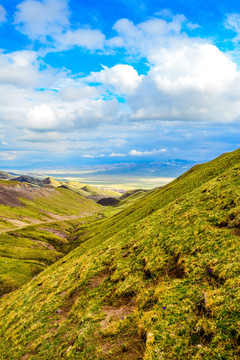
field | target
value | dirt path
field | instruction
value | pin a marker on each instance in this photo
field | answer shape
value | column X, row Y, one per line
column 20, row 224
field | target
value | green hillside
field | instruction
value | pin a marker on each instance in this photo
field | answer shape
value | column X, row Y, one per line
column 90, row 191
column 22, row 204
column 131, row 196
column 159, row 198
column 160, row 280
column 35, row 225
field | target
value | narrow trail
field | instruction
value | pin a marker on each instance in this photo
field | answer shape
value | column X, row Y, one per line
column 55, row 219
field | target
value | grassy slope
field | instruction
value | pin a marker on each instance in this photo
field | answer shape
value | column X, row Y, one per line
column 27, row 251
column 83, row 189
column 166, row 286
column 157, row 199
column 88, row 190
column 59, row 202
column 130, row 199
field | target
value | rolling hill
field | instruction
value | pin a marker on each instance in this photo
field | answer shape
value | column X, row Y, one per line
column 88, row 191
column 35, row 224
column 158, row 280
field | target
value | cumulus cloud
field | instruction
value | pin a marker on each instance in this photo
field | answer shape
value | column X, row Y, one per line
column 86, row 38
column 2, row 14
column 38, row 20
column 142, row 39
column 48, row 22
column 42, row 118
column 192, row 82
column 123, row 78
column 19, row 68
column 146, row 153
column 77, row 93
column 189, row 78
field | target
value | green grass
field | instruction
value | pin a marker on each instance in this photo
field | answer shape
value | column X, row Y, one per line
column 27, row 251
column 59, row 202
column 160, row 280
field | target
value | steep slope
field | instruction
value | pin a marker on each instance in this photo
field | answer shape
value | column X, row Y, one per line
column 5, row 175
column 165, row 287
column 157, row 199
column 89, row 191
column 26, row 249
column 26, row 204
column 29, row 179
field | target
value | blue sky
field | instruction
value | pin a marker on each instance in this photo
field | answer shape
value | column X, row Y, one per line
column 118, row 81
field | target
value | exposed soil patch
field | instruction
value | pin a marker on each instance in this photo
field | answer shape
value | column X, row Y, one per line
column 10, row 195
column 236, row 232
column 15, row 222
column 116, row 313
column 175, row 268
column 26, row 356
column 63, row 217
column 62, row 313
column 46, row 245
column 96, row 280
column 59, row 233
column 123, row 347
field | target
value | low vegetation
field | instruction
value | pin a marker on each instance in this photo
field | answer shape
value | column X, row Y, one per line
column 158, row 280
column 35, row 225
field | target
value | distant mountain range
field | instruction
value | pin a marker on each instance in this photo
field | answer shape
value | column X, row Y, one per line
column 167, row 168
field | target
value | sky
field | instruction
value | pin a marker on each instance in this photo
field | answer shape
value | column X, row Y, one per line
column 107, row 82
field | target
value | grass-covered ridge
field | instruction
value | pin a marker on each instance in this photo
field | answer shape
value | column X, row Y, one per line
column 158, row 198
column 164, row 286
column 20, row 202
column 35, row 225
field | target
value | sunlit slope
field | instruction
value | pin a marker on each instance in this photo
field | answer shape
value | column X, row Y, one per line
column 165, row 287
column 27, row 249
column 157, row 199
column 90, row 191
column 132, row 197
column 22, row 204
column 82, row 189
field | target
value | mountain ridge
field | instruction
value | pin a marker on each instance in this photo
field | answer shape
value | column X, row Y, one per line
column 164, row 286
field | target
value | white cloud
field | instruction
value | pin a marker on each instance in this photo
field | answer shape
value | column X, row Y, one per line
column 189, row 78
column 77, row 93
column 48, row 22
column 146, row 153
column 193, row 26
column 123, row 78
column 195, row 81
column 2, row 14
column 116, row 155
column 232, row 22
column 42, row 118
column 87, row 38
column 92, row 113
column 8, row 155
column 41, row 137
column 38, row 20
column 142, row 39
column 19, row 68
column 88, row 156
